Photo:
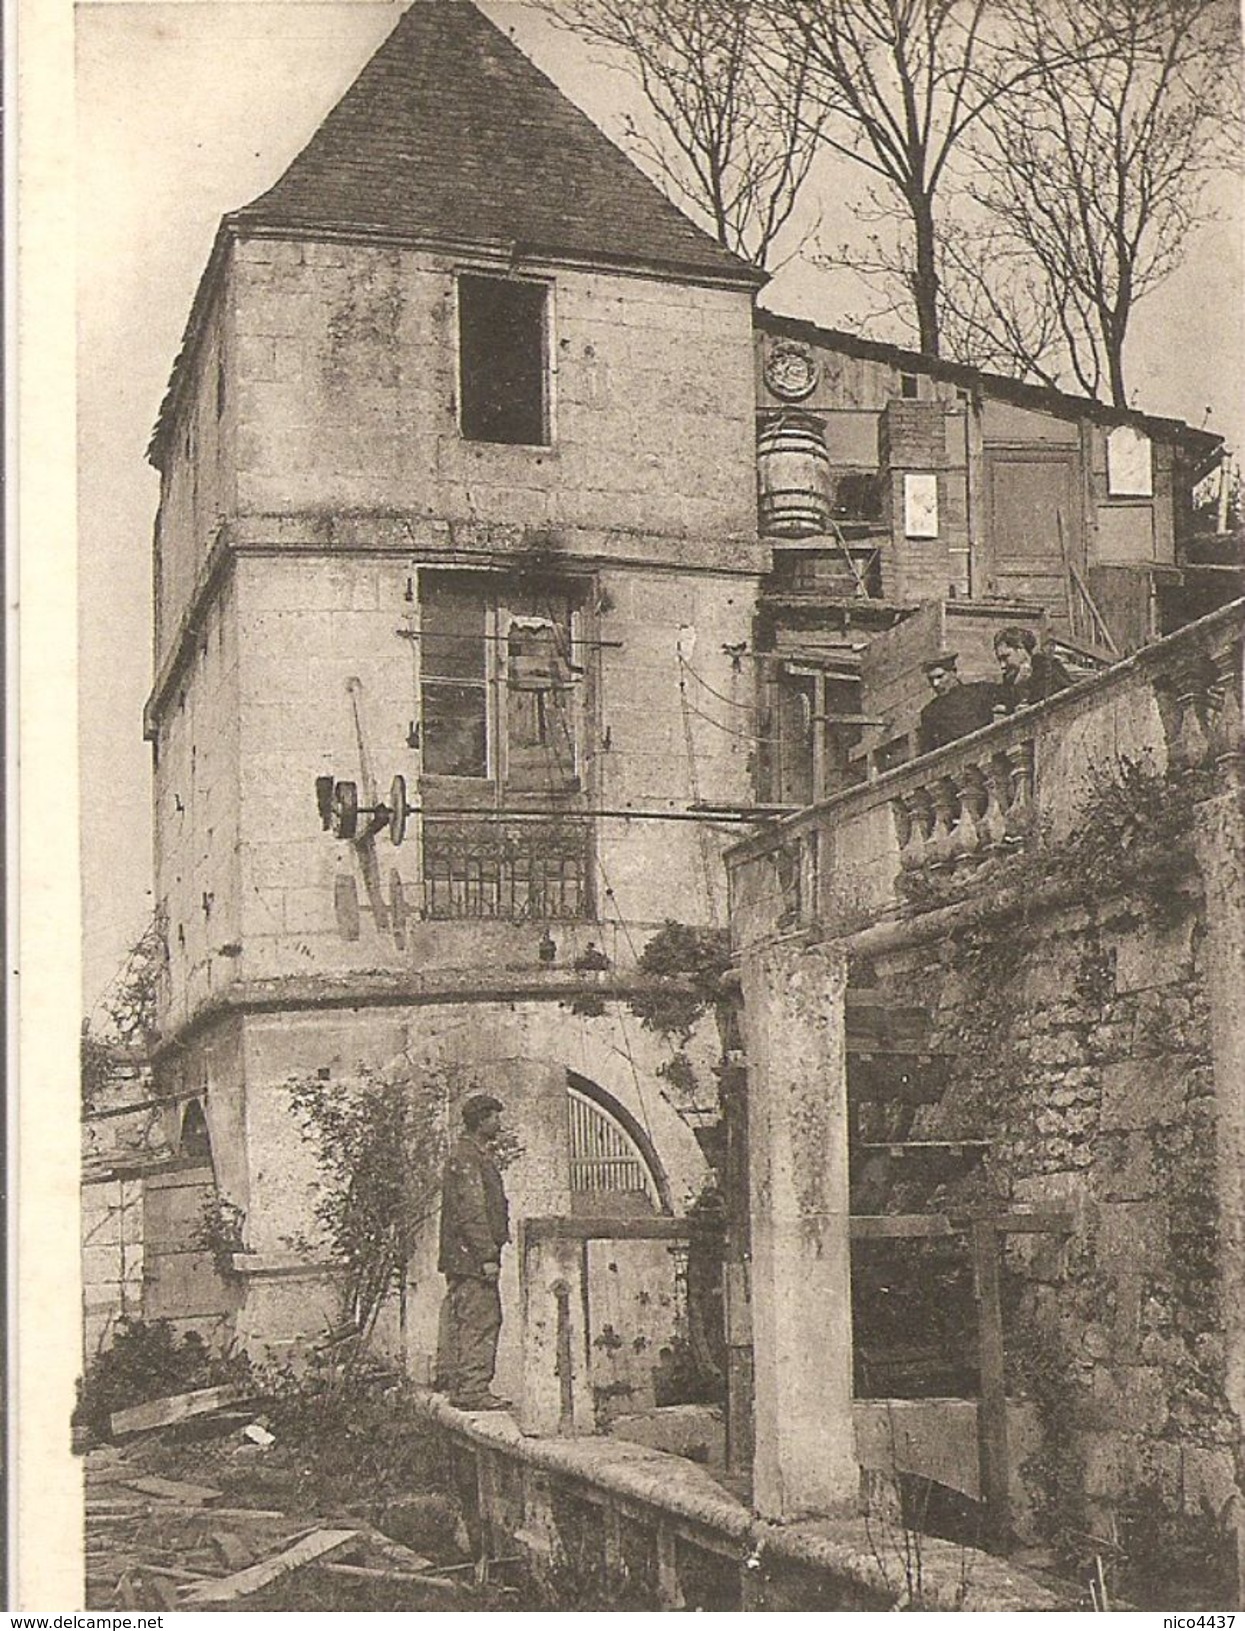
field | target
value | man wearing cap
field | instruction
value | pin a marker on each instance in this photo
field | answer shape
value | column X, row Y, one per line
column 475, row 1225
column 955, row 709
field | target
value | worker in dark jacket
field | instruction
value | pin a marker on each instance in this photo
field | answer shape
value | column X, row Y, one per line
column 956, row 709
column 1029, row 675
column 475, row 1225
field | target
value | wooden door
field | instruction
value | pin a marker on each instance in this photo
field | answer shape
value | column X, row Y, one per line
column 1034, row 495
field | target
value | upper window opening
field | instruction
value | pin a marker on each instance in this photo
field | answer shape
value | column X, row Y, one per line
column 907, row 385
column 501, row 354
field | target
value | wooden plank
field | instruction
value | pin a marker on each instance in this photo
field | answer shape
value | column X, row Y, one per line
column 1034, row 1223
column 173, row 1489
column 992, row 1410
column 142, row 1418
column 669, row 1586
column 318, row 1547
column 238, row 1514
column 360, row 1571
column 656, row 1228
column 901, row 1226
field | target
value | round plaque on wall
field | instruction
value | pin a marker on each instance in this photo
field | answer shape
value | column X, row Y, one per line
column 790, row 370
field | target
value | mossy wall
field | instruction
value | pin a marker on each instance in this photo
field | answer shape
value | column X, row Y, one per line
column 1076, row 1041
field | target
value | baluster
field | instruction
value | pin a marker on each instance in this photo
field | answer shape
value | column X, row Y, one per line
column 1227, row 728
column 1187, row 690
column 904, row 828
column 913, row 821
column 966, row 840
column 992, row 826
column 940, row 851
column 1019, row 817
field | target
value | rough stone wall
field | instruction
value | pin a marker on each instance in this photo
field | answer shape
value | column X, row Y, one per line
column 346, row 374
column 308, row 628
column 1079, row 1045
column 196, row 810
column 198, row 485
column 520, row 1050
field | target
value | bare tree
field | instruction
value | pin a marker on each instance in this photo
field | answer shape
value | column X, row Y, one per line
column 901, row 83
column 735, row 131
column 1093, row 170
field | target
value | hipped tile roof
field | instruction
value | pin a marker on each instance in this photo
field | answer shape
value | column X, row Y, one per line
column 450, row 134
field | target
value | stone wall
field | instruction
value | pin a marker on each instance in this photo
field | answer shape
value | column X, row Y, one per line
column 347, row 382
column 1078, row 1046
column 196, row 825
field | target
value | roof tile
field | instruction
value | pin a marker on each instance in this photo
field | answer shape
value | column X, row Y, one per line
column 451, row 134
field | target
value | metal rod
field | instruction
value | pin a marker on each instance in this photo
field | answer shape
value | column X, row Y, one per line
column 724, row 818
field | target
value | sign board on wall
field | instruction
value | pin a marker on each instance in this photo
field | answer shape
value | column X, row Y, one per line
column 1129, row 472
column 920, row 505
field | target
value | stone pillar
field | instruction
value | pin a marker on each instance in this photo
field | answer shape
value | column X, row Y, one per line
column 794, row 1026
column 557, row 1388
column 1221, row 860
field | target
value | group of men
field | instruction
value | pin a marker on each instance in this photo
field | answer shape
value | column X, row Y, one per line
column 959, row 707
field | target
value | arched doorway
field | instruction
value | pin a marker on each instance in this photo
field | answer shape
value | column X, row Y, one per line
column 614, row 1169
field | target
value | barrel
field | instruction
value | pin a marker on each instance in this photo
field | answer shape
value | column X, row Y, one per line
column 793, row 475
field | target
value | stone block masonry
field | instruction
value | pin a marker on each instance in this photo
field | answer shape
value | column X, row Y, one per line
column 1080, row 1048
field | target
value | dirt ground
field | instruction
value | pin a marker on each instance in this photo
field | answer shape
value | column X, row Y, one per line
column 228, row 1504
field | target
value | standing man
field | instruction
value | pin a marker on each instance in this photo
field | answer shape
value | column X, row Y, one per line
column 956, row 709
column 475, row 1225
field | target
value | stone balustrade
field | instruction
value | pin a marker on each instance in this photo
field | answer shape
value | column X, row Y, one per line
column 906, row 841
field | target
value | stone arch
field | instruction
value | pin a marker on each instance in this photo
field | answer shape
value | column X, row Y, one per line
column 618, row 1113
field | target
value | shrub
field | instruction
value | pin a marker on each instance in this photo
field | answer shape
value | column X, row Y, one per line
column 147, row 1360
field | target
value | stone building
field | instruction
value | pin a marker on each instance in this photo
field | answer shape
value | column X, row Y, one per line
column 457, row 484
column 507, row 560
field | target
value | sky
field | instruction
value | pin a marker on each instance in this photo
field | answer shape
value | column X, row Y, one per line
column 187, row 110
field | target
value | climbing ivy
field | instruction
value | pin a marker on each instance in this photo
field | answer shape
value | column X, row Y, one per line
column 380, row 1142
column 689, row 962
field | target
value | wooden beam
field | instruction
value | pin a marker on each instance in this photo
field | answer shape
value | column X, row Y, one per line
column 177, row 1407
column 992, row 1409
column 317, row 1547
column 901, row 1226
column 655, row 1228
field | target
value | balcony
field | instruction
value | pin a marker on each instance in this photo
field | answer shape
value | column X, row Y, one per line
column 926, row 832
column 533, row 870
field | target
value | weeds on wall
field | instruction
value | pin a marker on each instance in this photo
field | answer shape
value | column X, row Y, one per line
column 380, row 1142
column 693, row 962
column 220, row 1232
column 1131, row 835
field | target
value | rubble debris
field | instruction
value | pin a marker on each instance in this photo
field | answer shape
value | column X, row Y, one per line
column 259, row 1435
column 315, row 1547
column 141, row 1418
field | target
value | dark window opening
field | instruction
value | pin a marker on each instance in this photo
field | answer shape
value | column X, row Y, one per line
column 501, row 353
column 907, row 385
column 454, row 679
